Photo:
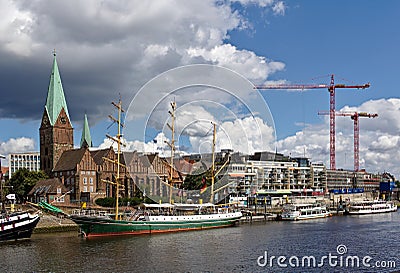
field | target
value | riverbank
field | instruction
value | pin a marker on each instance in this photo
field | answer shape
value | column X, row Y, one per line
column 50, row 223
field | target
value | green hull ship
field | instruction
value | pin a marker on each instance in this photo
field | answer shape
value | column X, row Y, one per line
column 156, row 219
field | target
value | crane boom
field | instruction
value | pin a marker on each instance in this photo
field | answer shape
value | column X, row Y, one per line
column 309, row 86
column 331, row 88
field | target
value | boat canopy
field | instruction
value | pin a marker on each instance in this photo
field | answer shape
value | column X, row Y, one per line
column 178, row 206
column 165, row 205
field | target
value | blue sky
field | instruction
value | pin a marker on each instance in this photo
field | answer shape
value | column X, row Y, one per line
column 117, row 50
column 355, row 41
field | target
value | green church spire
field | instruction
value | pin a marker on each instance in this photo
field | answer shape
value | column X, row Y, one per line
column 86, row 139
column 55, row 96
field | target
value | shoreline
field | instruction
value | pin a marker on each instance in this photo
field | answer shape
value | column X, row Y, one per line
column 51, row 224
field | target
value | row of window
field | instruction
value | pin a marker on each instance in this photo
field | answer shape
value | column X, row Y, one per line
column 72, row 173
column 90, row 180
column 88, row 172
column 85, row 189
column 24, row 165
column 25, row 157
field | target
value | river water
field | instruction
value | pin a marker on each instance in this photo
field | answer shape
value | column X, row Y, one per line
column 372, row 240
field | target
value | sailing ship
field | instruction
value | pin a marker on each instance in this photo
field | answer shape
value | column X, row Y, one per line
column 154, row 218
column 370, row 207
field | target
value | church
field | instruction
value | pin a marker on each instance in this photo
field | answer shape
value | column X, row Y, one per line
column 83, row 170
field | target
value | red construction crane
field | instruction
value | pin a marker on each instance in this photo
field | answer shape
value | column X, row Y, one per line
column 354, row 116
column 331, row 88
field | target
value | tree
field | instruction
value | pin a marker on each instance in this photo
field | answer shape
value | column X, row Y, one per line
column 23, row 180
column 195, row 181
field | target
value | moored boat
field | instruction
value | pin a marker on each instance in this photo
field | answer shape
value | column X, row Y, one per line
column 156, row 219
column 296, row 212
column 17, row 225
column 370, row 207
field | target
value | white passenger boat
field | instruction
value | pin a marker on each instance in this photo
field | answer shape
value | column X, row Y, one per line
column 17, row 225
column 370, row 207
column 295, row 212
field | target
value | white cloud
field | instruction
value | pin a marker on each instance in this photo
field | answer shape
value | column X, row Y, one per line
column 16, row 145
column 385, row 143
column 245, row 62
column 15, row 26
column 156, row 145
column 279, row 8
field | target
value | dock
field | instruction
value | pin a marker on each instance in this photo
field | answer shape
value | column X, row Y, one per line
column 50, row 223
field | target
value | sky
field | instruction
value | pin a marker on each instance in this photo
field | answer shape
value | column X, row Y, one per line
column 206, row 55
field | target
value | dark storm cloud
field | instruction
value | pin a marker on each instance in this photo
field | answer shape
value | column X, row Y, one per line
column 23, row 85
column 109, row 49
column 88, row 86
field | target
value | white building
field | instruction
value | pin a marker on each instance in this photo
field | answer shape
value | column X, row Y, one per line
column 251, row 176
column 30, row 161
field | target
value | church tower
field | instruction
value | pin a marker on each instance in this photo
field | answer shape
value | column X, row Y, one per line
column 86, row 139
column 56, row 132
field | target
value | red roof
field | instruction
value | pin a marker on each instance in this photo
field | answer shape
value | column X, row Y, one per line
column 4, row 170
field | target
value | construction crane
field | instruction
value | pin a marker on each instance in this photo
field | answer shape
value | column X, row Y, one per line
column 354, row 116
column 331, row 88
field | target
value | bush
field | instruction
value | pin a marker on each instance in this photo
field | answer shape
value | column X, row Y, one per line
column 108, row 202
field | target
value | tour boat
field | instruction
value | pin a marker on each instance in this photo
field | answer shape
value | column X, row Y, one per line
column 295, row 212
column 370, row 207
column 156, row 218
column 17, row 225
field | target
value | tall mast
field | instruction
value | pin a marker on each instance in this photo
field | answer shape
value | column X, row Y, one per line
column 213, row 164
column 172, row 146
column 118, row 157
column 118, row 161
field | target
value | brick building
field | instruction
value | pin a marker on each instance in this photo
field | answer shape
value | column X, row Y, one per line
column 51, row 191
column 77, row 171
column 56, row 132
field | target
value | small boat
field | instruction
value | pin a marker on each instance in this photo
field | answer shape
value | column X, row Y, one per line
column 296, row 212
column 156, row 218
column 370, row 207
column 17, row 225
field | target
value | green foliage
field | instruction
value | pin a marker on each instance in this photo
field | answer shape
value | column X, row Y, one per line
column 108, row 202
column 195, row 181
column 23, row 180
column 132, row 201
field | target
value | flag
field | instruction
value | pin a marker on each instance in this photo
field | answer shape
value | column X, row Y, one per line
column 204, row 185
